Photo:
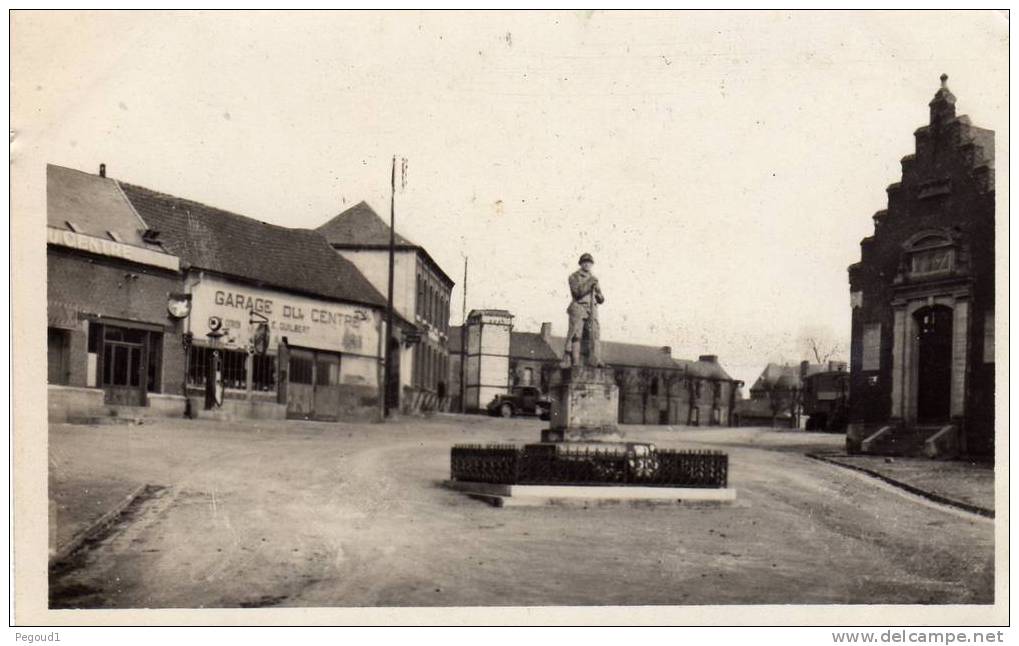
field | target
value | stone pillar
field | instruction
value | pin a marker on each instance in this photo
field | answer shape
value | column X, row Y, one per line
column 585, row 405
column 960, row 352
column 900, row 342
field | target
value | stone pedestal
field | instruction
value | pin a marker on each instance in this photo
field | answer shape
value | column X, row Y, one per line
column 585, row 406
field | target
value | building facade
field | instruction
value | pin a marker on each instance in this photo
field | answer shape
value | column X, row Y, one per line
column 285, row 326
column 654, row 388
column 153, row 297
column 417, row 345
column 111, row 341
column 922, row 295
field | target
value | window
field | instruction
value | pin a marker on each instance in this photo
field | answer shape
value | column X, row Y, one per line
column 233, row 368
column 420, row 301
column 871, row 346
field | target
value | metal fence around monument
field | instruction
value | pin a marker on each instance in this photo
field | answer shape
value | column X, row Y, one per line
column 544, row 465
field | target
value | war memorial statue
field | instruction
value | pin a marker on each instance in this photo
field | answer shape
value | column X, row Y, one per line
column 582, row 455
column 583, row 312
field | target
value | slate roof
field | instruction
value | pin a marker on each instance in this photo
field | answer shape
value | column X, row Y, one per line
column 93, row 204
column 235, row 245
column 773, row 373
column 360, row 226
column 703, row 369
column 629, row 354
column 530, row 345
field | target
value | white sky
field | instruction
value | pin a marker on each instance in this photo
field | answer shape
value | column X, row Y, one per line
column 721, row 167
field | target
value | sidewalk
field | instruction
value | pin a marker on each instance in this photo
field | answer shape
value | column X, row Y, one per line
column 957, row 481
column 77, row 503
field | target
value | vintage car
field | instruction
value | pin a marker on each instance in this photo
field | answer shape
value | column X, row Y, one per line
column 522, row 400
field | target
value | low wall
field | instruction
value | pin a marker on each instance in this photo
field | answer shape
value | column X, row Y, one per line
column 63, row 402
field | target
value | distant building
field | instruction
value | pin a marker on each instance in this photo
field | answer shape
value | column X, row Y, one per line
column 774, row 398
column 421, row 296
column 810, row 396
column 922, row 295
column 824, row 396
column 654, row 388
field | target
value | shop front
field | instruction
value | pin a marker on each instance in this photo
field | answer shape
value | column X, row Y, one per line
column 316, row 358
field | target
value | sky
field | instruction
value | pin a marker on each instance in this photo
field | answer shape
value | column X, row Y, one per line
column 721, row 167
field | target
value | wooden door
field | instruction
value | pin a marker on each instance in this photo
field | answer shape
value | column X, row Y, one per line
column 327, row 386
column 301, row 384
column 124, row 373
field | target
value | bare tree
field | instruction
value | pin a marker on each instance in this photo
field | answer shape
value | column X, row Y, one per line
column 823, row 351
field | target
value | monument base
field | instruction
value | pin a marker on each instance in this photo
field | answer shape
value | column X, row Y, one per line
column 585, row 406
column 514, row 495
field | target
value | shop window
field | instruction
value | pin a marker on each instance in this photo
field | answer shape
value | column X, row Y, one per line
column 232, row 365
column 57, row 342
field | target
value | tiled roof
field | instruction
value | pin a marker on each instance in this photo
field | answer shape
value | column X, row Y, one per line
column 94, row 205
column 235, row 245
column 360, row 226
column 530, row 345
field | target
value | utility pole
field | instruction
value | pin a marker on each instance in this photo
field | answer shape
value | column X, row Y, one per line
column 387, row 404
column 463, row 344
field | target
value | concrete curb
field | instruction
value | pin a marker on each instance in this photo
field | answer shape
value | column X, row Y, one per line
column 938, row 498
column 96, row 527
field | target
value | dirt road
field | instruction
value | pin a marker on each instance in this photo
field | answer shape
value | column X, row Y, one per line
column 305, row 514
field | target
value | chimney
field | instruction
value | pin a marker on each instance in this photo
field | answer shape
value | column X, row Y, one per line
column 546, row 332
column 804, row 368
column 667, row 350
column 102, row 170
column 708, row 358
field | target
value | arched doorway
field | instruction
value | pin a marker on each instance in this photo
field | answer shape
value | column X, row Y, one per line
column 934, row 363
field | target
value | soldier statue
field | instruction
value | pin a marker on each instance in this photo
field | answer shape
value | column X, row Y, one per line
column 583, row 313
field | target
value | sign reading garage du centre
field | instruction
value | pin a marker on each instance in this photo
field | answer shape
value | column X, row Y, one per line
column 306, row 322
